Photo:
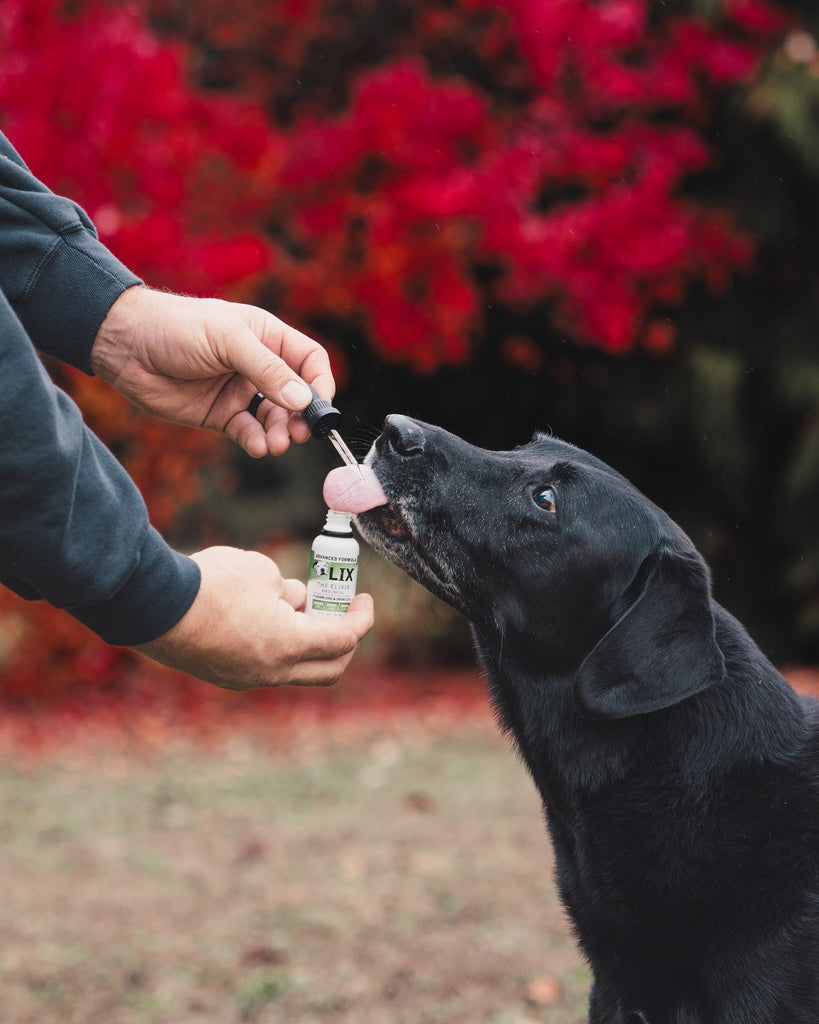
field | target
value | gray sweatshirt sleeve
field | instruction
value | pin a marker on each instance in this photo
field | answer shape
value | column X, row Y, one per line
column 59, row 278
column 74, row 529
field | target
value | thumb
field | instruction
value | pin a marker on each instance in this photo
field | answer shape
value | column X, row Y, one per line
column 277, row 382
column 268, row 372
column 360, row 615
column 339, row 635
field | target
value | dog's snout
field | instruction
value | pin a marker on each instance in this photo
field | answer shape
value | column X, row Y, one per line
column 402, row 436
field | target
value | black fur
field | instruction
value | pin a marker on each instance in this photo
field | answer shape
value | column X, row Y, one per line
column 679, row 771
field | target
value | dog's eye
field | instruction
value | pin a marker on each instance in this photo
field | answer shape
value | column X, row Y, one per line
column 546, row 498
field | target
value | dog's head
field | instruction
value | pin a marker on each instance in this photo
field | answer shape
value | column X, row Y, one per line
column 552, row 550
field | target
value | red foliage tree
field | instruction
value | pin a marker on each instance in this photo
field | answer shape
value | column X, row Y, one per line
column 412, row 162
column 176, row 183
column 555, row 160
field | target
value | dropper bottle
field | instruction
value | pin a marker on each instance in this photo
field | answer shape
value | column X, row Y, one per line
column 333, row 568
column 324, row 420
column 331, row 580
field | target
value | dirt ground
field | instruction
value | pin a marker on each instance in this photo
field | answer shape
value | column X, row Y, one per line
column 344, row 863
column 391, row 873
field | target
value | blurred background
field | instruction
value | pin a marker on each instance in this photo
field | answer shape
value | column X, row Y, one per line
column 595, row 217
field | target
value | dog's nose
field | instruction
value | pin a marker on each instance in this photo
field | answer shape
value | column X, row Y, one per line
column 402, row 436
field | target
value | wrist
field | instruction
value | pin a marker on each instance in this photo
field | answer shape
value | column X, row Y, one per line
column 113, row 342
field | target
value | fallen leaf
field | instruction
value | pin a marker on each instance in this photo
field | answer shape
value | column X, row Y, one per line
column 262, row 956
column 544, row 990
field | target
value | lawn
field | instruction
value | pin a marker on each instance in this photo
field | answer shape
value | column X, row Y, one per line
column 390, row 870
column 371, row 854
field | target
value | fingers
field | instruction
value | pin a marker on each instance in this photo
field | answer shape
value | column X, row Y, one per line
column 246, row 431
column 247, row 628
column 360, row 616
column 320, row 649
column 302, row 353
column 336, row 642
column 278, row 359
column 268, row 431
column 281, row 426
column 333, row 637
column 277, row 381
column 294, row 592
column 272, row 358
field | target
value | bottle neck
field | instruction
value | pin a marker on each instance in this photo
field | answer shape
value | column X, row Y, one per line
column 336, row 533
column 338, row 524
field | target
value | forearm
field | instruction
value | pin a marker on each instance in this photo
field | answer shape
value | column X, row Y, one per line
column 60, row 280
column 73, row 528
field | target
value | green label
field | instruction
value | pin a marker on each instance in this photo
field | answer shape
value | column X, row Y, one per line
column 320, row 604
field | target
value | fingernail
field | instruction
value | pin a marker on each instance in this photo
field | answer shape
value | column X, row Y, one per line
column 297, row 394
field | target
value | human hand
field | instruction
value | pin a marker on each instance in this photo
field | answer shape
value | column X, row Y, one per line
column 200, row 361
column 247, row 628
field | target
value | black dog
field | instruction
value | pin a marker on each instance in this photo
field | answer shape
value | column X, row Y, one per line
column 678, row 770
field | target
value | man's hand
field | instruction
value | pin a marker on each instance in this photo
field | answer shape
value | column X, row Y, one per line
column 200, row 361
column 247, row 628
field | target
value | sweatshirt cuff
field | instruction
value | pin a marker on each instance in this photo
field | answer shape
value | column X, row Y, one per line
column 152, row 600
column 78, row 282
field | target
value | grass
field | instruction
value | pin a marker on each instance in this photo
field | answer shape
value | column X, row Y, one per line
column 397, row 874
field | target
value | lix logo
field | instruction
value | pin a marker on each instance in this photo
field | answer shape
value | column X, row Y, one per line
column 336, row 573
column 340, row 574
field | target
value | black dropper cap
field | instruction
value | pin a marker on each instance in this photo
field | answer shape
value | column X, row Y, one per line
column 321, row 416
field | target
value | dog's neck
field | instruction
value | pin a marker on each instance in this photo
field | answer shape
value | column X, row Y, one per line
column 569, row 757
column 572, row 758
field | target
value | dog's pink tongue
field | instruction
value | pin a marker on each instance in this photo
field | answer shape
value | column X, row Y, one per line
column 353, row 489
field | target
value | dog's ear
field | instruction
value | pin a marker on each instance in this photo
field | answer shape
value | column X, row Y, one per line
column 661, row 650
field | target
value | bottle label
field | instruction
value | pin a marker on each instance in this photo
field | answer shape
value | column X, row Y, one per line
column 331, row 584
